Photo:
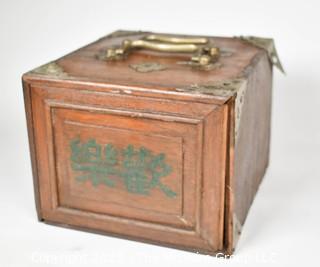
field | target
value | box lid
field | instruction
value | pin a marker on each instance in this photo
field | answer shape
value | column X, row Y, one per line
column 159, row 71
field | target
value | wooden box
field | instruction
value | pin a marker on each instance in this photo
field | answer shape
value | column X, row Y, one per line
column 159, row 146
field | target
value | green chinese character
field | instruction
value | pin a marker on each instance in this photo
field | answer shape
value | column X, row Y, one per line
column 87, row 158
column 138, row 165
column 138, row 169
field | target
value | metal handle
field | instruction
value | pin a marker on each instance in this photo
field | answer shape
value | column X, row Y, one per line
column 175, row 40
column 157, row 46
column 203, row 54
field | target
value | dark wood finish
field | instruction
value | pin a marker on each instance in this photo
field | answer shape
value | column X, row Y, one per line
column 214, row 175
column 249, row 156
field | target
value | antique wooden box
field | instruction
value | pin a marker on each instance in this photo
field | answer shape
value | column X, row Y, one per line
column 135, row 137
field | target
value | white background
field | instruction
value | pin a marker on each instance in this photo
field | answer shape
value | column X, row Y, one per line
column 283, row 225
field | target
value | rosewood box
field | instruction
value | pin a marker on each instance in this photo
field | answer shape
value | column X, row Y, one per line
column 152, row 137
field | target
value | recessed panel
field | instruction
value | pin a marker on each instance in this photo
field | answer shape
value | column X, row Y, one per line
column 108, row 164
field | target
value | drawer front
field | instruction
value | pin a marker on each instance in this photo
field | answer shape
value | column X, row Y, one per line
column 131, row 166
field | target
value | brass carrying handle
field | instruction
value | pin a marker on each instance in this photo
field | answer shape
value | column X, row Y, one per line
column 176, row 40
column 203, row 54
